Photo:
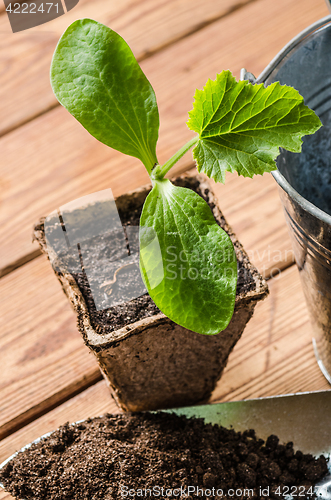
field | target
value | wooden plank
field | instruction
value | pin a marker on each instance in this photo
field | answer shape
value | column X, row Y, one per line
column 93, row 402
column 5, row 496
column 25, row 340
column 273, row 357
column 255, row 211
column 34, row 347
column 43, row 358
column 147, row 26
column 52, row 160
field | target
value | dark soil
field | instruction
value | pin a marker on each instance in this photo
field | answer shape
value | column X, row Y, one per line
column 104, row 458
column 110, row 306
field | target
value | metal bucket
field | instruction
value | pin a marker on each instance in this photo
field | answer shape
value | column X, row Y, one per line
column 305, row 178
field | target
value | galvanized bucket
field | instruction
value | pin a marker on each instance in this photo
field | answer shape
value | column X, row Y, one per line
column 305, row 178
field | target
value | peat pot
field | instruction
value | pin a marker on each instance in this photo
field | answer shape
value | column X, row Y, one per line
column 305, row 178
column 148, row 361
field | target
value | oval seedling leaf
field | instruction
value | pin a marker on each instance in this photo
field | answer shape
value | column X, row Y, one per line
column 187, row 261
column 96, row 77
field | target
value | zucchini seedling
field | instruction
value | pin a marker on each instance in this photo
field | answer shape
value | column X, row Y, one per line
column 237, row 127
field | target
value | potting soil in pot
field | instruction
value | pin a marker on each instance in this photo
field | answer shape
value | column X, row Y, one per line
column 159, row 455
column 104, row 252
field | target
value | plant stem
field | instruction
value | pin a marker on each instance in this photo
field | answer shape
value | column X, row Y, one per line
column 160, row 171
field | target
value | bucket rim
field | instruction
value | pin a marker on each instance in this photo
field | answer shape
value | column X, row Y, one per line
column 300, row 200
column 321, row 24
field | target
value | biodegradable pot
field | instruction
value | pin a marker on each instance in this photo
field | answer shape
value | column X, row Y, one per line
column 152, row 363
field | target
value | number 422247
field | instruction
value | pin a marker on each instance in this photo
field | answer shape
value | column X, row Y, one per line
column 25, row 8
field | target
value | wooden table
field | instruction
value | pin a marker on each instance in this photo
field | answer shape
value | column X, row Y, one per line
column 47, row 375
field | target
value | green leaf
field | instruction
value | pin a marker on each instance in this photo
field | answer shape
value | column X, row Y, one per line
column 187, row 261
column 95, row 75
column 241, row 126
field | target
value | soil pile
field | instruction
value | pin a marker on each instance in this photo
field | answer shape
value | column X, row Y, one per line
column 159, row 456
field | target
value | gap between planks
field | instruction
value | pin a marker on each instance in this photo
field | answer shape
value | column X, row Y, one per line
column 291, row 368
column 225, row 9
column 59, row 161
column 19, row 263
column 144, row 17
column 41, row 348
column 249, row 228
column 265, row 259
column 57, row 399
column 39, row 334
column 40, row 337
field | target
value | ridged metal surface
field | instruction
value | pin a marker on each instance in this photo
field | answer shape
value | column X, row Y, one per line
column 305, row 178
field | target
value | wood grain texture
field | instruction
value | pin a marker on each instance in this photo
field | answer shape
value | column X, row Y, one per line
column 32, row 346
column 92, row 402
column 43, row 358
column 275, row 354
column 255, row 211
column 145, row 24
column 5, row 496
column 53, row 160
column 273, row 357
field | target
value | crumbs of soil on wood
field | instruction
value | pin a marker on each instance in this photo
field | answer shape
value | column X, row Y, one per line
column 103, row 457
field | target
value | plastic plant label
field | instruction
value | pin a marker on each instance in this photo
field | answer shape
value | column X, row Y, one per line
column 86, row 239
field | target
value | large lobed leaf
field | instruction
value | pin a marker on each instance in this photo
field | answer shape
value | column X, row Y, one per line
column 241, row 126
column 95, row 75
column 187, row 261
